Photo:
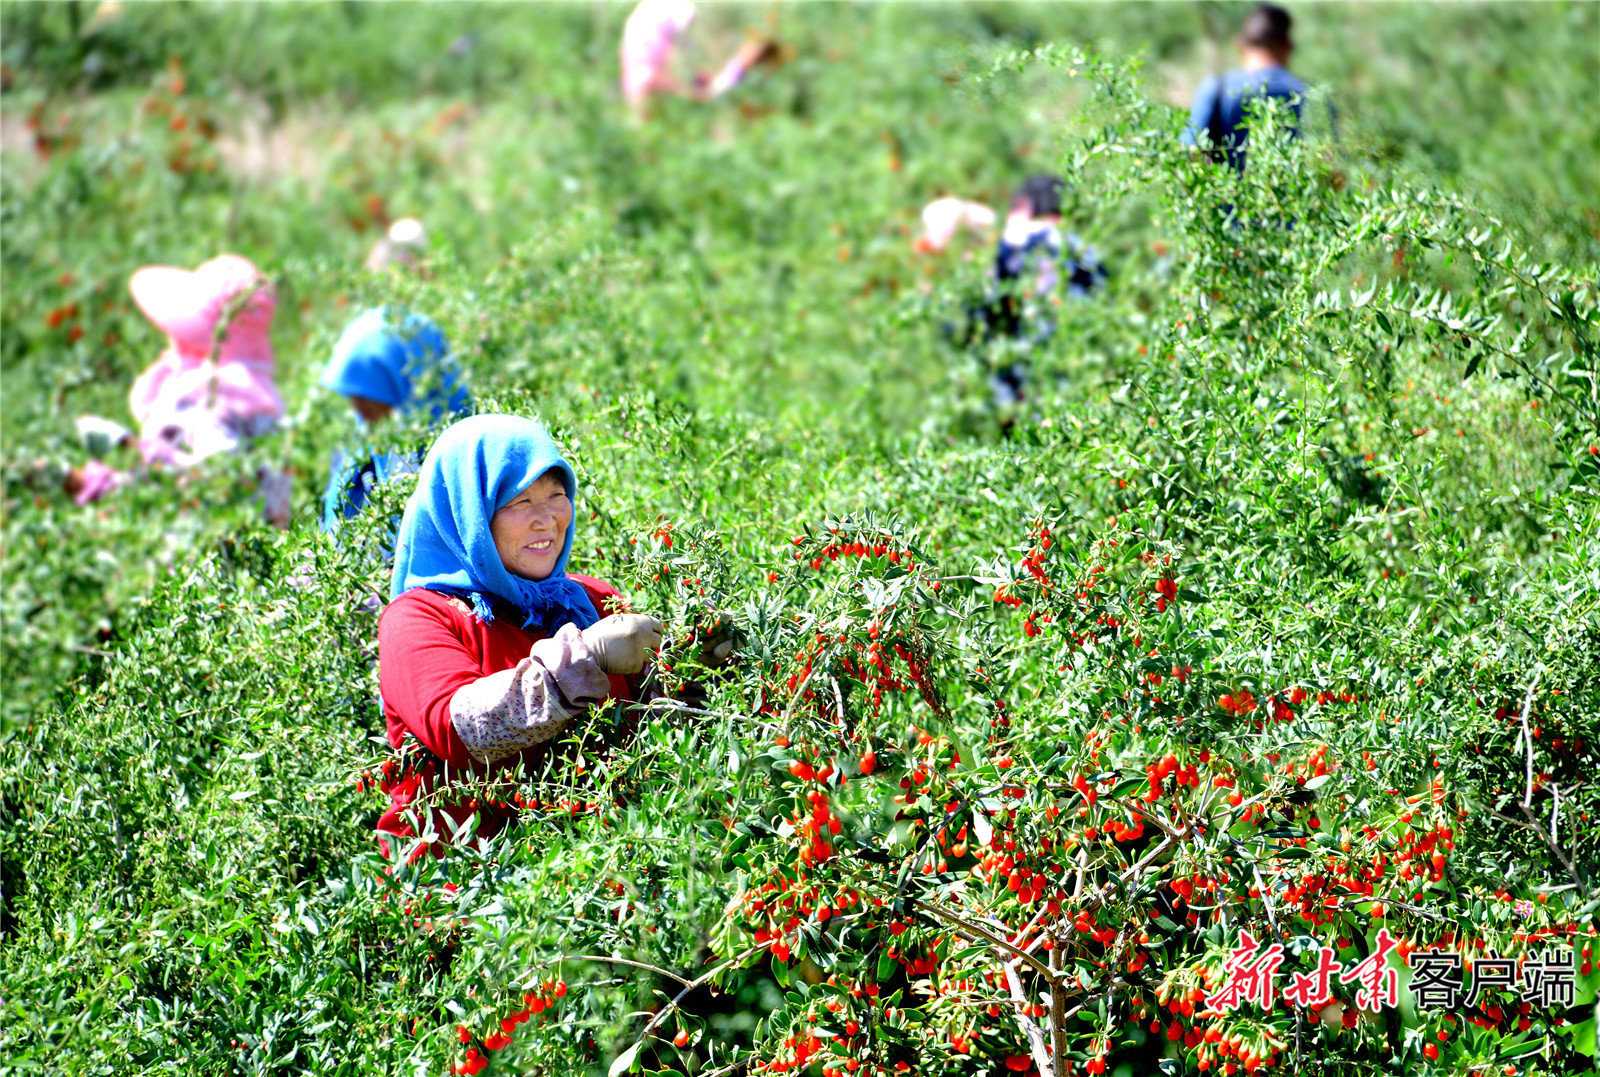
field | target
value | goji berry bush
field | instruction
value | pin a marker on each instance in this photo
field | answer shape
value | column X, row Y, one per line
column 1206, row 720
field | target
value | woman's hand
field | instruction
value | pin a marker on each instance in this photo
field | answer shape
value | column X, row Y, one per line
column 623, row 642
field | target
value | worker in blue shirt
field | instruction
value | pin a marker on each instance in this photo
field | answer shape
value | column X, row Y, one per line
column 386, row 361
column 1219, row 104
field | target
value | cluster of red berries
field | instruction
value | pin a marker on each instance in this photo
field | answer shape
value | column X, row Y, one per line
column 1241, row 704
column 833, row 550
column 47, row 142
column 872, row 666
column 534, row 1003
column 814, row 829
column 1280, row 705
column 778, row 907
column 802, row 1049
column 1033, row 561
column 1232, row 1053
column 1168, row 765
column 65, row 314
column 389, row 772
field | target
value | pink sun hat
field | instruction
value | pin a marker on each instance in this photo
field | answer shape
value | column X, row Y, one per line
column 187, row 305
column 188, row 406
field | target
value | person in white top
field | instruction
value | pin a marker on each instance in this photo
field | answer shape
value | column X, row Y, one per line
column 401, row 246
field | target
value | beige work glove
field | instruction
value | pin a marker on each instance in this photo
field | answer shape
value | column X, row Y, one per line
column 623, row 642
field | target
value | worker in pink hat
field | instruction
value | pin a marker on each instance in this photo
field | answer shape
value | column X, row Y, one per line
column 649, row 42
column 213, row 386
column 649, row 39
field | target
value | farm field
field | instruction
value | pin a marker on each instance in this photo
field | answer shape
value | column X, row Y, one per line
column 1270, row 617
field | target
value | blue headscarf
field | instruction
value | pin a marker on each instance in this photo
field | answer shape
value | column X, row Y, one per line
column 445, row 544
column 383, row 353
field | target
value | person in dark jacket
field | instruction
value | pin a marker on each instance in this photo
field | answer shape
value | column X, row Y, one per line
column 1220, row 103
column 1035, row 264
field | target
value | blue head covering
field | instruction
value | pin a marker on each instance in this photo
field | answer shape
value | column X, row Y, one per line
column 445, row 544
column 381, row 360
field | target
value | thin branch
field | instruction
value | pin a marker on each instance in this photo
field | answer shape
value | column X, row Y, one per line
column 1058, row 1018
column 1527, row 737
column 617, row 961
column 799, row 690
column 1044, row 907
column 1533, row 824
column 667, row 703
column 1266, row 897
column 1416, row 910
column 978, row 933
column 1146, row 813
column 662, row 1014
column 1036, row 1045
column 1103, row 894
column 1555, row 811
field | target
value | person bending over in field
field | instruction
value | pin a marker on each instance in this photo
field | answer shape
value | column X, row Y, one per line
column 1219, row 104
column 1034, row 262
column 212, row 389
column 489, row 647
column 400, row 247
column 386, row 361
column 649, row 44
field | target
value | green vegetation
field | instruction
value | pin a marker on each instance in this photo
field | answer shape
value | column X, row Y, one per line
column 1292, row 554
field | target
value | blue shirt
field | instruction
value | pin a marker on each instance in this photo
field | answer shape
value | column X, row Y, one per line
column 1219, row 107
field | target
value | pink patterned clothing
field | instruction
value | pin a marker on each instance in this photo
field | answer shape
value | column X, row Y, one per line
column 189, row 411
column 647, row 41
column 190, row 403
column 93, row 481
column 244, row 387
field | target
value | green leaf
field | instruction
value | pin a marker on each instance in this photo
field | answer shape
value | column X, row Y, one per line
column 1122, row 789
column 982, row 830
column 1583, row 1038
column 625, row 1061
column 886, row 966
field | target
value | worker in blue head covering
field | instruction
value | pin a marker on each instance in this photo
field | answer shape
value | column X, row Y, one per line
column 489, row 646
column 387, row 361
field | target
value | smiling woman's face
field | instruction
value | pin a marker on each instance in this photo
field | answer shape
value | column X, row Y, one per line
column 530, row 529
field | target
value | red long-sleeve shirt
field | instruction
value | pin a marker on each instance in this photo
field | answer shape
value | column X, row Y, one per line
column 429, row 646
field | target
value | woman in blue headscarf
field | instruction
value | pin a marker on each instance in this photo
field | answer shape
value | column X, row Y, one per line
column 488, row 646
column 386, row 361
